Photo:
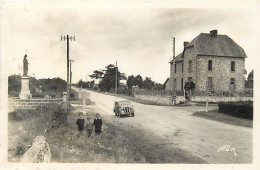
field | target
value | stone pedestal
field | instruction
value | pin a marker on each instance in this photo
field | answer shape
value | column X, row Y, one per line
column 25, row 91
column 64, row 96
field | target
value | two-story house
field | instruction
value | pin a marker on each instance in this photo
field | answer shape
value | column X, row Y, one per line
column 213, row 62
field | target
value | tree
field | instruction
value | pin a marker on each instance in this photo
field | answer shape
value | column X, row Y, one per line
column 139, row 81
column 250, row 80
column 84, row 84
column 130, row 81
column 108, row 81
column 96, row 74
column 134, row 81
column 14, row 83
column 148, row 83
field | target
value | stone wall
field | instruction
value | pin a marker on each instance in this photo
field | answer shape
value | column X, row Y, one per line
column 189, row 55
column 167, row 100
column 221, row 73
column 15, row 103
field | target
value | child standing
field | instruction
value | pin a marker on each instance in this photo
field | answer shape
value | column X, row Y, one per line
column 89, row 127
column 80, row 123
column 98, row 124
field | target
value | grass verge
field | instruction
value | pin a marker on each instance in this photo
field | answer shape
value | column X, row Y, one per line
column 64, row 141
column 220, row 117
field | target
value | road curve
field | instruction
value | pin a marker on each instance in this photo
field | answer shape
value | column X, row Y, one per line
column 175, row 127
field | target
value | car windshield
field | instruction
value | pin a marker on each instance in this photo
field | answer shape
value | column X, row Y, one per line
column 121, row 103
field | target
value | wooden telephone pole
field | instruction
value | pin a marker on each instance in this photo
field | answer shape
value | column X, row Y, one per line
column 116, row 79
column 64, row 38
column 70, row 72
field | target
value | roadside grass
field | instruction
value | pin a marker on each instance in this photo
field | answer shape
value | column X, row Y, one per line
column 220, row 117
column 69, row 147
column 64, row 141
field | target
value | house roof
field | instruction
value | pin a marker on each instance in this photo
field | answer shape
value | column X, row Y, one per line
column 165, row 81
column 220, row 45
column 178, row 58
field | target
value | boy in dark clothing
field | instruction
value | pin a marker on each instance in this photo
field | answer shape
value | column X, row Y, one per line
column 80, row 123
column 97, row 123
column 89, row 127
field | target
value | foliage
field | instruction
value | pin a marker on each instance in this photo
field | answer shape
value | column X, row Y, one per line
column 134, row 81
column 53, row 87
column 96, row 74
column 147, row 83
column 27, row 124
column 108, row 81
column 237, row 109
column 250, row 80
column 66, row 145
column 83, row 84
column 14, row 83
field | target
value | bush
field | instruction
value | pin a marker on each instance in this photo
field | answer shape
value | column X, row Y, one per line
column 237, row 109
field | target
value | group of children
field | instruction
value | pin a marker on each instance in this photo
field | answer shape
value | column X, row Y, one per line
column 89, row 125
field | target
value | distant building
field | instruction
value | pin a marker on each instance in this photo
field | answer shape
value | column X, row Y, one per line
column 167, row 84
column 123, row 84
column 213, row 62
column 96, row 83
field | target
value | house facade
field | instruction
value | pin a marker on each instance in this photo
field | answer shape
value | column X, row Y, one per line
column 215, row 63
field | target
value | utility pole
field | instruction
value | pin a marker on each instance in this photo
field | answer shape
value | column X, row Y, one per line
column 70, row 72
column 64, row 38
column 116, row 79
column 173, row 47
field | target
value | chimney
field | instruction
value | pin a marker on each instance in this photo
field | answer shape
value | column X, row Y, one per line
column 214, row 33
column 185, row 43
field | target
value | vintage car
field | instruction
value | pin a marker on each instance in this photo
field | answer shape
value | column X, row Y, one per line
column 123, row 108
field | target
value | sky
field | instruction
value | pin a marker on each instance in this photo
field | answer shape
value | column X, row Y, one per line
column 139, row 38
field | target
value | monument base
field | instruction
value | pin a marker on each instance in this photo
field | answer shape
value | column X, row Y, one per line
column 25, row 91
column 25, row 95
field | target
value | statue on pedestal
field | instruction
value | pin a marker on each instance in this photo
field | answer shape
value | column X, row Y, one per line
column 25, row 90
column 25, row 65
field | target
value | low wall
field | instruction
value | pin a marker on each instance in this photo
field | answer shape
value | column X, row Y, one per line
column 16, row 103
column 219, row 99
column 157, row 99
column 167, row 100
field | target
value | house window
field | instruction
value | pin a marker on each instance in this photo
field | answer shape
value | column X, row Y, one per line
column 175, row 83
column 190, row 66
column 189, row 79
column 233, row 66
column 232, row 84
column 175, row 68
column 210, row 65
column 181, row 84
column 182, row 67
column 210, row 84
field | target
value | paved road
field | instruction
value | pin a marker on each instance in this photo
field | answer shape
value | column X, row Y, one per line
column 176, row 127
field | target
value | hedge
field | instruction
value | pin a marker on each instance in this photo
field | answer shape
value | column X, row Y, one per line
column 237, row 109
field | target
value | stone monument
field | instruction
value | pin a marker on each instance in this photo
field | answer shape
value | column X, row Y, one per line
column 25, row 91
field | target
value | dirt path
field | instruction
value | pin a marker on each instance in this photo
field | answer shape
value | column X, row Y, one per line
column 171, row 134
